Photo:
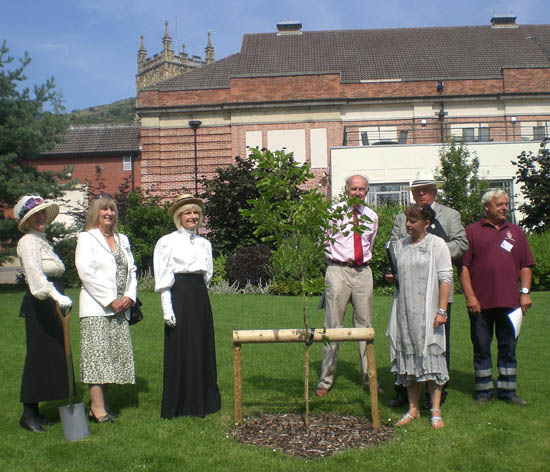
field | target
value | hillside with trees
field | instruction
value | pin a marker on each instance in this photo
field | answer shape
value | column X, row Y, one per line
column 121, row 111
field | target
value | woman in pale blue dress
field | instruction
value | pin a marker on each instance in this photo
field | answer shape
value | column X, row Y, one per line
column 419, row 310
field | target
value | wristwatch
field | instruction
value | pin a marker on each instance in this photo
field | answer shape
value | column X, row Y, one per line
column 524, row 291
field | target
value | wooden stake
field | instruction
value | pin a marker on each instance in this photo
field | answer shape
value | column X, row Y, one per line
column 301, row 335
column 238, row 384
column 373, row 384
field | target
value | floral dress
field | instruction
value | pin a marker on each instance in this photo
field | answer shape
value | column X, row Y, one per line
column 106, row 346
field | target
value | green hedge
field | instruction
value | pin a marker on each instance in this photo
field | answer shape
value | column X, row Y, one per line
column 540, row 246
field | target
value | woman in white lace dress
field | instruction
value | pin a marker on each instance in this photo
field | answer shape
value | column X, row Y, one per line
column 45, row 372
column 415, row 330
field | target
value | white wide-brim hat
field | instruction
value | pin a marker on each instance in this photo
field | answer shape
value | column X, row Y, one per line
column 29, row 205
column 424, row 177
column 184, row 199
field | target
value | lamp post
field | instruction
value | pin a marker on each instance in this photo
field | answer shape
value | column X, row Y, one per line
column 194, row 124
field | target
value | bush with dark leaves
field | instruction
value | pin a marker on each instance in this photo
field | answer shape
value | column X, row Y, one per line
column 249, row 265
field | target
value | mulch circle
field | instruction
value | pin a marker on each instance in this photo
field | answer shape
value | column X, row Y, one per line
column 326, row 435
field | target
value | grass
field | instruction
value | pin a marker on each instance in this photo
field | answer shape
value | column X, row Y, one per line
column 493, row 437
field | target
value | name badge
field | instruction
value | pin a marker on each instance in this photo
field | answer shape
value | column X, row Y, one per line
column 506, row 246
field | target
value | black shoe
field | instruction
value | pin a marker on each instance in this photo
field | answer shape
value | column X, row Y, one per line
column 515, row 401
column 31, row 423
column 482, row 400
column 102, row 419
column 398, row 400
column 111, row 413
column 44, row 421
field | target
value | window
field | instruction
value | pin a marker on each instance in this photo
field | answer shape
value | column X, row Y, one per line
column 532, row 131
column 484, row 134
column 508, row 187
column 126, row 162
column 471, row 132
column 378, row 135
column 539, row 133
column 380, row 194
column 468, row 135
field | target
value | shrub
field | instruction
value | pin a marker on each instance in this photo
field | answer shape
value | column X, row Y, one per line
column 65, row 249
column 379, row 262
column 249, row 265
column 227, row 194
column 146, row 280
column 540, row 243
column 146, row 221
column 220, row 273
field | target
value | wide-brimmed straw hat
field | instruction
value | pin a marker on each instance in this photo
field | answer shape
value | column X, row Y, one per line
column 184, row 199
column 424, row 177
column 29, row 205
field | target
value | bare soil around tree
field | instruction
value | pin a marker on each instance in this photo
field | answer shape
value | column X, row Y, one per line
column 327, row 434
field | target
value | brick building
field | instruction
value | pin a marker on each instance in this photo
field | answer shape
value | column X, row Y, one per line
column 386, row 95
column 102, row 157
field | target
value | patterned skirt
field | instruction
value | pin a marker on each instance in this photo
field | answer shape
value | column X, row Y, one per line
column 106, row 355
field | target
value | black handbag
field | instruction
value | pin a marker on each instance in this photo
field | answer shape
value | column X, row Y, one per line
column 135, row 313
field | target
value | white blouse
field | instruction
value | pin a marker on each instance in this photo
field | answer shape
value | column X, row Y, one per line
column 179, row 252
column 39, row 262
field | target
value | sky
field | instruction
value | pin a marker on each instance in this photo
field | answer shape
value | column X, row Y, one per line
column 90, row 46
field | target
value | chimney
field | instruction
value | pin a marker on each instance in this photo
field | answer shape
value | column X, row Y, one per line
column 504, row 21
column 289, row 27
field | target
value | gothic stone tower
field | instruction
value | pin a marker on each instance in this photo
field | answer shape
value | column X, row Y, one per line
column 167, row 64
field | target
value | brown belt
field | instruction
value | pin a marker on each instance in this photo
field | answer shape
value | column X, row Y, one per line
column 350, row 264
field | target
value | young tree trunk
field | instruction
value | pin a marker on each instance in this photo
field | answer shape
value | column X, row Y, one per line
column 307, row 385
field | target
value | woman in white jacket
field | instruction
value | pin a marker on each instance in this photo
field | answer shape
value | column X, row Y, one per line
column 106, row 268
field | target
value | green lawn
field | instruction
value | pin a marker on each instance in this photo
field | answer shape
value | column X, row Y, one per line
column 496, row 436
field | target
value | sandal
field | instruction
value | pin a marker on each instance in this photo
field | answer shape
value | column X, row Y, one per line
column 437, row 421
column 406, row 419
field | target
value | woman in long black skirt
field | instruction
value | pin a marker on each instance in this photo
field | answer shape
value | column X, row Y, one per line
column 183, row 268
column 45, row 372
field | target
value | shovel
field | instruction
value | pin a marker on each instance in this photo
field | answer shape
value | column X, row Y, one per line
column 73, row 416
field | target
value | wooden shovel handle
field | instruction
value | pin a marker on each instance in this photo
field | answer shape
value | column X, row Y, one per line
column 65, row 320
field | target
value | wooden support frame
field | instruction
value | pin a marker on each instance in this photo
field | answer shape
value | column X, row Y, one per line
column 297, row 336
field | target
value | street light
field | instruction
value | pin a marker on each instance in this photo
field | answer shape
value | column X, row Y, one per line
column 194, row 124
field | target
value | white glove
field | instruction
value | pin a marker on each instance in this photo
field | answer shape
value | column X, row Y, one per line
column 166, row 303
column 170, row 320
column 64, row 301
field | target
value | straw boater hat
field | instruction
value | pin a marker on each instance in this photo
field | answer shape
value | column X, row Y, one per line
column 184, row 199
column 424, row 177
column 29, row 205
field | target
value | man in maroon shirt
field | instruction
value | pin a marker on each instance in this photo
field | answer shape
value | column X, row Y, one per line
column 498, row 256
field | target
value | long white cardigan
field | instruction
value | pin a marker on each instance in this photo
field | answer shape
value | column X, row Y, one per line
column 97, row 271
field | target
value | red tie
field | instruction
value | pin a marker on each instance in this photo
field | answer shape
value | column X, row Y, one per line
column 357, row 245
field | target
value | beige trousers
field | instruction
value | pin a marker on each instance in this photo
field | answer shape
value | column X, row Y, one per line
column 345, row 284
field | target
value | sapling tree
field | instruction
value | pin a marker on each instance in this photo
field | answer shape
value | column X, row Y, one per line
column 298, row 223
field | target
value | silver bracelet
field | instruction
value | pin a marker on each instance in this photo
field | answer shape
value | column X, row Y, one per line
column 442, row 312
